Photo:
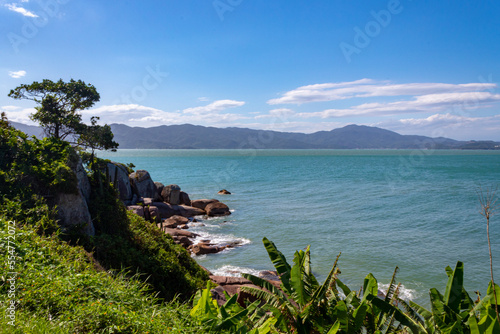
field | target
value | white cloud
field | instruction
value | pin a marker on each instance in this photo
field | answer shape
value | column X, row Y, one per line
column 424, row 103
column 281, row 113
column 18, row 114
column 448, row 125
column 23, row 11
column 370, row 88
column 203, row 99
column 214, row 107
column 137, row 115
column 17, row 74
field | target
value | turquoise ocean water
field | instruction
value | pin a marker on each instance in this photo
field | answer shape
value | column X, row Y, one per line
column 415, row 209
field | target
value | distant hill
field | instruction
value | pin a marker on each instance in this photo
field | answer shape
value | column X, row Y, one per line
column 188, row 136
column 30, row 130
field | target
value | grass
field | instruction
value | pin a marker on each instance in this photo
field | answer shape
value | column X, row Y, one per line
column 59, row 289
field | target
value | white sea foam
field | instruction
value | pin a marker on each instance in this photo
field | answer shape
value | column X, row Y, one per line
column 233, row 271
column 221, row 239
column 404, row 293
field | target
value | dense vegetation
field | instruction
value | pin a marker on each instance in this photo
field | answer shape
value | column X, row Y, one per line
column 128, row 278
column 302, row 305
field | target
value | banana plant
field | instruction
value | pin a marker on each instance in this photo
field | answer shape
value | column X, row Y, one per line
column 451, row 312
column 365, row 310
column 483, row 318
column 231, row 316
column 302, row 305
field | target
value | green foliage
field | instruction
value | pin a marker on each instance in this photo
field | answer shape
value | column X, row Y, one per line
column 59, row 289
column 302, row 305
column 57, row 112
column 455, row 312
column 231, row 316
column 59, row 103
column 125, row 240
column 30, row 165
column 144, row 249
column 96, row 137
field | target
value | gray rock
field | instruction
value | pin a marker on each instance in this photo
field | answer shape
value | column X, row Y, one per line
column 159, row 187
column 184, row 199
column 142, row 184
column 72, row 211
column 118, row 174
column 72, row 208
column 83, row 181
column 171, row 194
column 218, row 295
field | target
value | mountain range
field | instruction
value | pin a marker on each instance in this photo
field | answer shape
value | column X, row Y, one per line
column 188, row 136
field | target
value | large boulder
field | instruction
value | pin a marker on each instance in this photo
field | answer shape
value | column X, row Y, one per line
column 175, row 221
column 154, row 214
column 184, row 199
column 205, row 248
column 72, row 208
column 183, row 241
column 72, row 211
column 159, row 187
column 142, row 184
column 167, row 210
column 171, row 194
column 137, row 209
column 174, row 232
column 189, row 211
column 83, row 181
column 118, row 174
column 202, row 203
column 217, row 209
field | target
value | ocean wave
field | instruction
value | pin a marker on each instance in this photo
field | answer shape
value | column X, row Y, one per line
column 233, row 271
column 221, row 239
column 404, row 292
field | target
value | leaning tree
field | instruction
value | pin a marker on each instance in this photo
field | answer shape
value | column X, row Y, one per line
column 59, row 104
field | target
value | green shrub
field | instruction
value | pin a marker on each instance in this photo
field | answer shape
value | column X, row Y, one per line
column 166, row 266
column 59, row 290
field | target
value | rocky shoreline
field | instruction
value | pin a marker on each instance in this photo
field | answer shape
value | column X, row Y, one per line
column 173, row 212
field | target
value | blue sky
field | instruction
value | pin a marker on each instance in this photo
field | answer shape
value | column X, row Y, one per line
column 414, row 67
